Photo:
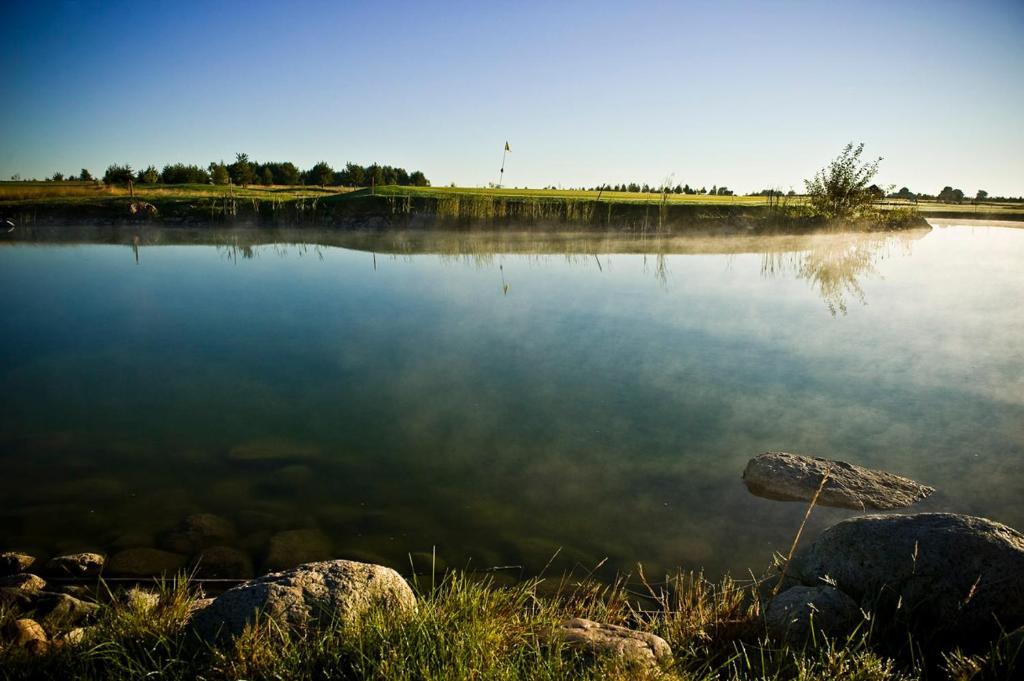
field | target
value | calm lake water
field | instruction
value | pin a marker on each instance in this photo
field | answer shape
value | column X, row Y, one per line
column 498, row 397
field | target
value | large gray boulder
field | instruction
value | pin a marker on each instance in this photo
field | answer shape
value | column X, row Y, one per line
column 800, row 610
column 791, row 477
column 595, row 640
column 942, row 573
column 334, row 591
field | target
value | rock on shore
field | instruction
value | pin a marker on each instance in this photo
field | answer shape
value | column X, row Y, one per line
column 12, row 563
column 314, row 593
column 594, row 640
column 945, row 575
column 791, row 477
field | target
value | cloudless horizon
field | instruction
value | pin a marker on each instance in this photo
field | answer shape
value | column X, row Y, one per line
column 748, row 95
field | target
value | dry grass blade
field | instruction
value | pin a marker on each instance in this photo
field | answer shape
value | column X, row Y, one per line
column 800, row 531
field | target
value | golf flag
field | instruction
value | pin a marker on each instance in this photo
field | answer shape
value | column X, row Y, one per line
column 506, row 146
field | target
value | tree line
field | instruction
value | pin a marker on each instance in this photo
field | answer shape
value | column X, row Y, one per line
column 950, row 195
column 244, row 172
column 637, row 188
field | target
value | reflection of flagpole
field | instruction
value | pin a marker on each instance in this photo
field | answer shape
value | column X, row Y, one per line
column 504, row 153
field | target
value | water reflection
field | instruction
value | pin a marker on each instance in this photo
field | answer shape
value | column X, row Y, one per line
column 834, row 264
column 388, row 403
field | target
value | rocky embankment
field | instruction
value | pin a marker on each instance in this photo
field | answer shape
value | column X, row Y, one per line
column 949, row 580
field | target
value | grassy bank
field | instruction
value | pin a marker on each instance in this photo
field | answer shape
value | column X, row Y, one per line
column 466, row 628
column 428, row 207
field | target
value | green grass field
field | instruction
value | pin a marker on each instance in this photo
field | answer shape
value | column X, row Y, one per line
column 14, row 194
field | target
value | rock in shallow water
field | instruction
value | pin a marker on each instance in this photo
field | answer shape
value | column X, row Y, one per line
column 294, row 547
column 76, row 565
column 198, row 531
column 145, row 562
column 943, row 574
column 316, row 593
column 12, row 563
column 595, row 640
column 791, row 477
column 273, row 450
column 222, row 562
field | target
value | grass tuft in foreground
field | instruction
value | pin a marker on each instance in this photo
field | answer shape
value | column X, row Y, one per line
column 469, row 628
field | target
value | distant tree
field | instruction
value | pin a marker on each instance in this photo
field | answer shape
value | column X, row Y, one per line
column 353, row 175
column 791, row 193
column 321, row 174
column 179, row 173
column 118, row 174
column 714, row 190
column 286, row 173
column 56, row 177
column 418, row 179
column 981, row 195
column 374, row 175
column 840, row 190
column 268, row 176
column 242, row 171
column 950, row 195
column 906, row 194
column 85, row 176
column 219, row 173
column 148, row 176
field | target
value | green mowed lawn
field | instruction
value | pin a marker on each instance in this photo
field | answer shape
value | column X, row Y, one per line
column 13, row 193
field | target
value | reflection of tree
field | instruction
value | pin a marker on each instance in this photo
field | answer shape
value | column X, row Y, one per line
column 835, row 264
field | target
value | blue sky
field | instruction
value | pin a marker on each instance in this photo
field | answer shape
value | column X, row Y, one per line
column 748, row 95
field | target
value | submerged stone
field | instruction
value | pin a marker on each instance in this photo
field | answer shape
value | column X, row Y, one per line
column 293, row 547
column 273, row 450
column 145, row 562
column 198, row 531
column 222, row 562
column 791, row 477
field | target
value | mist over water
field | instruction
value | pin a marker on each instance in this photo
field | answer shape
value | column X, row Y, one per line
column 500, row 397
